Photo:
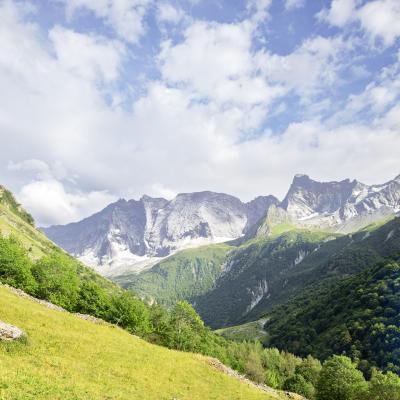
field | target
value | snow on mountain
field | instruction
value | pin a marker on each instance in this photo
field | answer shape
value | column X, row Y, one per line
column 345, row 205
column 131, row 235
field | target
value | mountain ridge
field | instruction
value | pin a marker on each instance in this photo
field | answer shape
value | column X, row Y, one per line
column 140, row 232
column 131, row 235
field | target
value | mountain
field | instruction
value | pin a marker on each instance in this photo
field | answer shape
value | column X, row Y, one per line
column 128, row 235
column 343, row 206
column 266, row 272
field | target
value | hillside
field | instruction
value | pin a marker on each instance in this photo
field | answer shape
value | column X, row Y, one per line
column 185, row 275
column 65, row 357
column 267, row 272
column 359, row 317
column 230, row 285
column 14, row 220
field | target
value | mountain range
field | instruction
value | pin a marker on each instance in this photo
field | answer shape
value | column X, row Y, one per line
column 128, row 236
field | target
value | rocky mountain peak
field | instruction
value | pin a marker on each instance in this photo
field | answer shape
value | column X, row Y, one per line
column 131, row 233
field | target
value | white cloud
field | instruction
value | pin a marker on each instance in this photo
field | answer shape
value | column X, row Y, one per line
column 126, row 17
column 379, row 19
column 340, row 12
column 185, row 132
column 92, row 57
column 50, row 203
column 168, row 13
column 160, row 190
column 215, row 62
column 294, row 4
column 310, row 68
column 375, row 100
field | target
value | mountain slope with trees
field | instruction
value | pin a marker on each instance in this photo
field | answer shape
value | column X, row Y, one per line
column 359, row 317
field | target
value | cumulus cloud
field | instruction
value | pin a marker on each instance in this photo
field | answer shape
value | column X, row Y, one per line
column 74, row 150
column 90, row 56
column 51, row 203
column 379, row 19
column 126, row 17
column 310, row 68
column 294, row 4
column 168, row 13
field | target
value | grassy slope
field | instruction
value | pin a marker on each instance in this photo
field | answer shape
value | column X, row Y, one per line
column 249, row 331
column 12, row 224
column 184, row 275
column 69, row 358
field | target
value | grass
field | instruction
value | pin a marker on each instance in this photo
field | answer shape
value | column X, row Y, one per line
column 65, row 357
column 33, row 240
column 249, row 331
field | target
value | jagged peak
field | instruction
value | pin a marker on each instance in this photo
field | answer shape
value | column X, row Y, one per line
column 397, row 178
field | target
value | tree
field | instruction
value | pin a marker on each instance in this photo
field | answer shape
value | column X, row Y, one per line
column 340, row 380
column 187, row 327
column 15, row 265
column 92, row 299
column 384, row 386
column 310, row 369
column 57, row 280
column 299, row 385
column 129, row 312
column 254, row 369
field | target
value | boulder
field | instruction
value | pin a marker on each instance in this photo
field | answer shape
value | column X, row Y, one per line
column 9, row 332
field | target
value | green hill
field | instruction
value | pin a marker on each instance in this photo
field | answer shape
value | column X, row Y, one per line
column 359, row 317
column 185, row 275
column 267, row 272
column 65, row 357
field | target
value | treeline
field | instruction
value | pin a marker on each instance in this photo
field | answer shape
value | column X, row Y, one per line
column 358, row 317
column 62, row 280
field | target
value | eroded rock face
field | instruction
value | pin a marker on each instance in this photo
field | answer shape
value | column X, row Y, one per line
column 130, row 235
column 10, row 332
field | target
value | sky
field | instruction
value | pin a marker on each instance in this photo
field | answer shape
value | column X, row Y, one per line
column 108, row 99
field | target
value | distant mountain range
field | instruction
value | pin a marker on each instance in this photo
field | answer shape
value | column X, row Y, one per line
column 129, row 235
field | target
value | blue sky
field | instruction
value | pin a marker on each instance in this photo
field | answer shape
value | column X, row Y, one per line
column 104, row 99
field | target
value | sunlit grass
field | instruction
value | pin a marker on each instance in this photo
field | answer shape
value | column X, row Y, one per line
column 65, row 357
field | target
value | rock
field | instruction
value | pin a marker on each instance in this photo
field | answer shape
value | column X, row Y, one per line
column 10, row 332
